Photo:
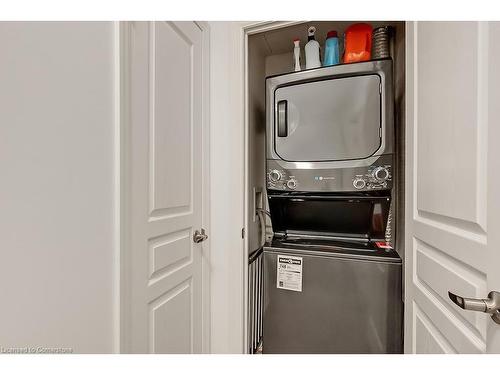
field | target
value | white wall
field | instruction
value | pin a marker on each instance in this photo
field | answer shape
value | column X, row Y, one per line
column 227, row 257
column 58, row 255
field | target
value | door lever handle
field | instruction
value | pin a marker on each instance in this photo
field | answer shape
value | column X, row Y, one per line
column 490, row 305
column 199, row 236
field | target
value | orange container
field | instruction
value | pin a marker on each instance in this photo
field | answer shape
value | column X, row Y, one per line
column 358, row 43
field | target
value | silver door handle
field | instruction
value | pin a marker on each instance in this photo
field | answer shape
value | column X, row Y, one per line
column 490, row 305
column 199, row 236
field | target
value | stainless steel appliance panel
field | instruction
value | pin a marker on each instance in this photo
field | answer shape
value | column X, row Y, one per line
column 335, row 119
column 318, row 148
column 282, row 176
column 348, row 304
column 255, row 299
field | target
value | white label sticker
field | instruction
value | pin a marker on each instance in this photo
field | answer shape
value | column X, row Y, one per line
column 289, row 273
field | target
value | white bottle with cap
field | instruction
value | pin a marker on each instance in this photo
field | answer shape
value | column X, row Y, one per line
column 312, row 50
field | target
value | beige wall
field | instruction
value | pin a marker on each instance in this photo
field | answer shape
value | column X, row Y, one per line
column 57, row 226
column 227, row 258
column 256, row 137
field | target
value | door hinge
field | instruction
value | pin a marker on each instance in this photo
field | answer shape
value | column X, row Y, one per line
column 242, row 232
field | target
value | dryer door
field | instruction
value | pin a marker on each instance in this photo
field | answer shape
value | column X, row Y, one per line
column 330, row 120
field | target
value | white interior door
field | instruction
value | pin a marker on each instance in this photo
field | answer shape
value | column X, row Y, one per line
column 453, row 188
column 165, row 151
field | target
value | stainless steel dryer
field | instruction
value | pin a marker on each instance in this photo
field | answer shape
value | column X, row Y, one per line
column 331, row 129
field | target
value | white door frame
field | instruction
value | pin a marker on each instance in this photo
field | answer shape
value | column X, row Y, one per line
column 124, row 190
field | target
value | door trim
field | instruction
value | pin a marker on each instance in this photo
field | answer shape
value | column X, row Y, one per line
column 117, row 167
column 124, row 224
column 205, row 220
column 124, row 30
column 410, row 126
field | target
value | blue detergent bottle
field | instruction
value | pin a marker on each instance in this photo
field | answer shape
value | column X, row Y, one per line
column 331, row 49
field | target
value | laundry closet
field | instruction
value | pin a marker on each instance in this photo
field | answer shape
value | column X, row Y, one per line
column 325, row 191
column 229, row 200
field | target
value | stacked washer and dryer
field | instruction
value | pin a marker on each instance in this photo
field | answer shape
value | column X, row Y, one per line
column 332, row 278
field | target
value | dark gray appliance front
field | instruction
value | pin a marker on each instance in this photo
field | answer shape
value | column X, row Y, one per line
column 349, row 303
column 329, row 147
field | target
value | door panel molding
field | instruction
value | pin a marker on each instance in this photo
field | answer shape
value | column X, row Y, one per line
column 171, row 199
column 468, row 228
column 434, row 271
column 171, row 344
column 461, row 336
column 446, row 240
column 455, row 83
column 165, row 257
column 432, row 341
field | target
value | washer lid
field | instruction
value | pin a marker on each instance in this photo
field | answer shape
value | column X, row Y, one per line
column 354, row 215
column 333, row 248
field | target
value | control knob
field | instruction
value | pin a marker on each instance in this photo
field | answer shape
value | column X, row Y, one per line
column 380, row 174
column 292, row 184
column 359, row 183
column 275, row 175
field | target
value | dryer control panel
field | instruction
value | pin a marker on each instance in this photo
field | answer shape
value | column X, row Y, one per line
column 377, row 176
column 281, row 179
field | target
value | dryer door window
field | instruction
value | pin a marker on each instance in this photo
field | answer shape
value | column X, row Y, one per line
column 337, row 119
